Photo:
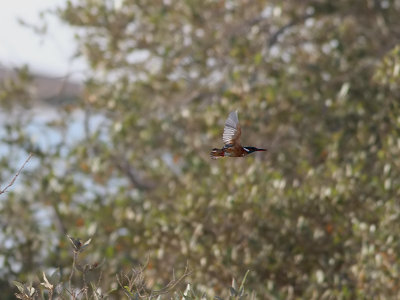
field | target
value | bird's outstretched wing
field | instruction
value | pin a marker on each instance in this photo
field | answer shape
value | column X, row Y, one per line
column 232, row 130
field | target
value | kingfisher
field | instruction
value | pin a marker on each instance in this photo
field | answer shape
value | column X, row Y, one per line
column 231, row 139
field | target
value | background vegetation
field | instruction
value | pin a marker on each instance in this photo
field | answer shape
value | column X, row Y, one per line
column 316, row 82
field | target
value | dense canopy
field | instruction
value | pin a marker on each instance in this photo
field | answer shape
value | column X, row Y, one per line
column 316, row 82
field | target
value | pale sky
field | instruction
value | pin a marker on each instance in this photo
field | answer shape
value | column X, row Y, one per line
column 50, row 54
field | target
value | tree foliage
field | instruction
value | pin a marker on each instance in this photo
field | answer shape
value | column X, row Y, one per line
column 316, row 82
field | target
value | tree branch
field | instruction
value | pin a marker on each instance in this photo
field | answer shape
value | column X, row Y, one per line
column 132, row 174
column 2, row 191
column 274, row 37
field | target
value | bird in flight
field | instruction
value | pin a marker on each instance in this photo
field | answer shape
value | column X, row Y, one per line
column 231, row 139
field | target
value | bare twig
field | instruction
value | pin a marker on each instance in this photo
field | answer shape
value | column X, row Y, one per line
column 173, row 283
column 274, row 37
column 72, row 270
column 16, row 175
column 136, row 284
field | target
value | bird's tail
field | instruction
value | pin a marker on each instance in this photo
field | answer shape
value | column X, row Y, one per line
column 217, row 153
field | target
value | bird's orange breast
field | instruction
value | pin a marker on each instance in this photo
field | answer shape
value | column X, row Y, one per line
column 235, row 151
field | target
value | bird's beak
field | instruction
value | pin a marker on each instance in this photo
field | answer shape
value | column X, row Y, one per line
column 261, row 150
